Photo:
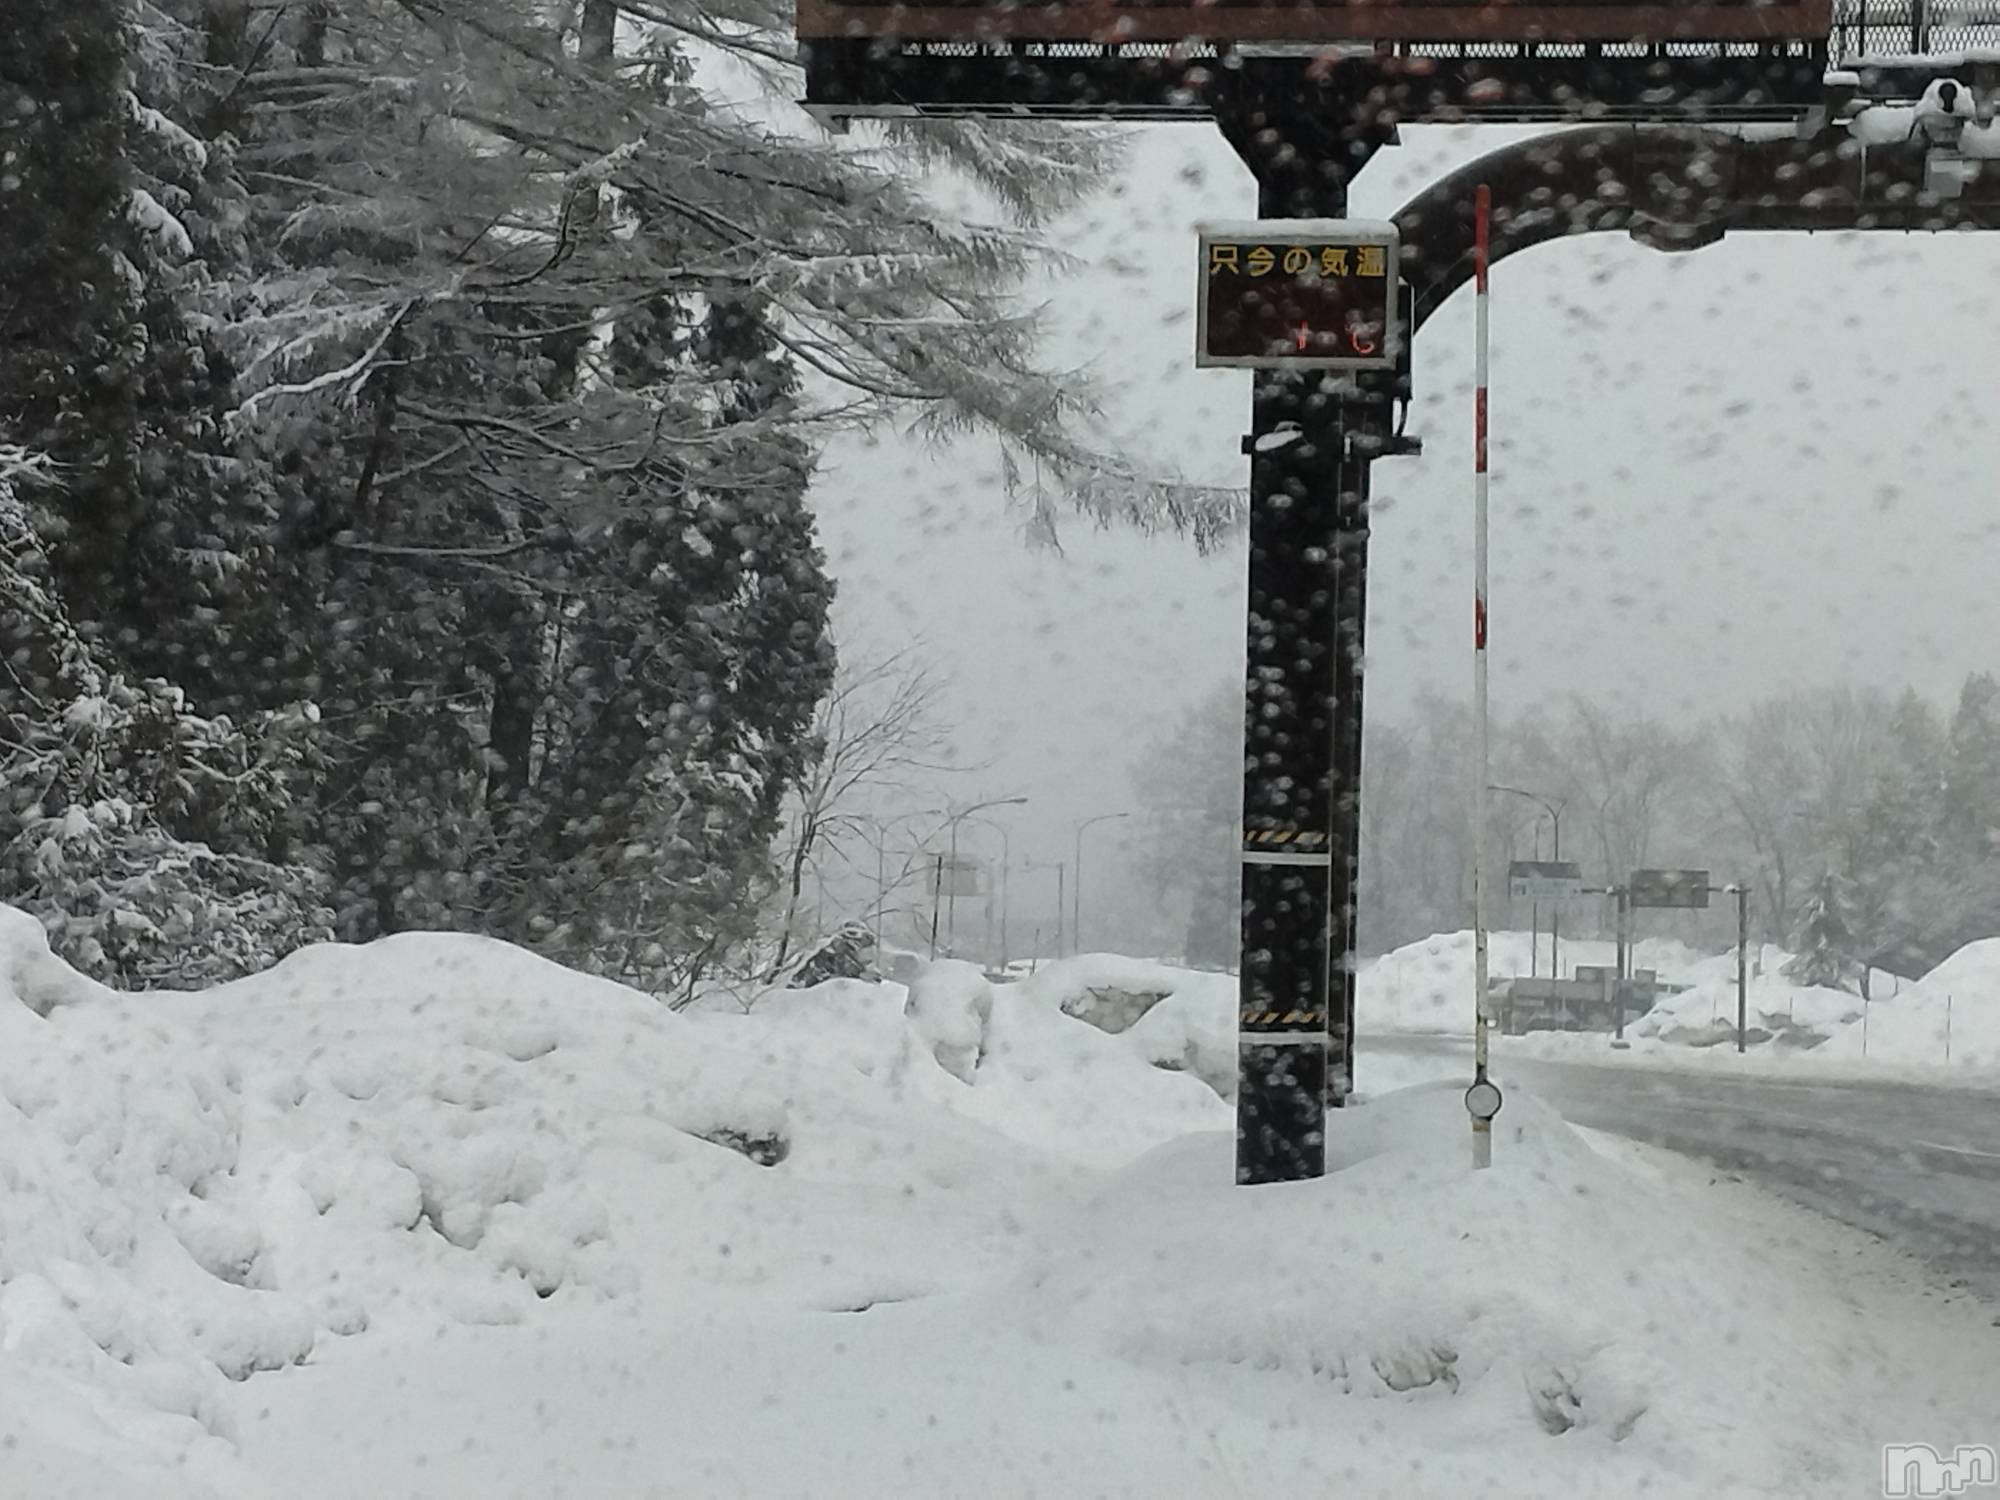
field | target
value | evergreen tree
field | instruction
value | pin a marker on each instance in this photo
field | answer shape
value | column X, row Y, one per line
column 1823, row 943
column 1895, row 866
column 153, row 837
column 423, row 364
column 97, row 774
column 1970, row 783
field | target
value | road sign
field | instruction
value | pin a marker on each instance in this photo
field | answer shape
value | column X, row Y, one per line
column 958, row 875
column 1671, row 888
column 1544, row 880
column 1298, row 294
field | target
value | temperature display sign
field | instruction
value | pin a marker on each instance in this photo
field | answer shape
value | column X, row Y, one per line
column 1298, row 293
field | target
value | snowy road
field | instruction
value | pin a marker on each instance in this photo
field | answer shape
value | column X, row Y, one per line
column 1919, row 1167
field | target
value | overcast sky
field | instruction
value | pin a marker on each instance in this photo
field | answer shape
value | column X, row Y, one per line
column 1718, row 475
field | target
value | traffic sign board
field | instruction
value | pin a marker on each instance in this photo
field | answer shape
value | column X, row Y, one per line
column 1298, row 293
column 958, row 875
column 1544, row 880
column 1670, row 888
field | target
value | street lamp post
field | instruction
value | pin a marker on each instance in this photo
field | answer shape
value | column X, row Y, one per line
column 1555, row 812
column 1062, row 900
column 1006, row 859
column 1076, row 879
column 951, row 901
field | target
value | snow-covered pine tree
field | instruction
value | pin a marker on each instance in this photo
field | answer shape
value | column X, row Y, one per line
column 153, row 840
column 97, row 771
column 1967, row 898
column 1896, row 897
column 1823, row 943
column 110, row 218
column 539, row 414
column 508, row 317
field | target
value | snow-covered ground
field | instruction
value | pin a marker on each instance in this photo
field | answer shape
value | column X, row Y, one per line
column 434, row 1217
column 1427, row 985
column 1951, row 1017
column 1947, row 1026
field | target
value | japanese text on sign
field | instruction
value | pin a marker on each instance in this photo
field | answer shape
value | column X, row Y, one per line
column 1298, row 260
column 1303, row 292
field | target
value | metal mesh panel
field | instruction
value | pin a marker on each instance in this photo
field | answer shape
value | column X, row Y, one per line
column 1895, row 28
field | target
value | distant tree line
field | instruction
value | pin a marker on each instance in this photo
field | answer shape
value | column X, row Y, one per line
column 1872, row 817
column 412, row 409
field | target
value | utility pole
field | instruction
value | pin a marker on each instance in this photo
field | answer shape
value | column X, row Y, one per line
column 1061, row 868
column 1076, row 886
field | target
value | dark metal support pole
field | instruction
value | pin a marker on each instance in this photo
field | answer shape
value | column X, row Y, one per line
column 1343, row 893
column 1299, row 491
column 1742, row 960
column 1312, row 439
column 1289, row 742
column 937, row 885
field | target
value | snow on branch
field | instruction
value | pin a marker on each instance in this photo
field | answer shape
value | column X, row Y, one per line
column 178, row 141
column 167, row 233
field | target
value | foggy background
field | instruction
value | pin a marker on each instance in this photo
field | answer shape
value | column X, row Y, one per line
column 1717, row 476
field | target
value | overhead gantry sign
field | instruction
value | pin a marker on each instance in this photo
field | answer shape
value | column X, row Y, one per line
column 1459, row 59
column 1306, row 93
column 1323, row 23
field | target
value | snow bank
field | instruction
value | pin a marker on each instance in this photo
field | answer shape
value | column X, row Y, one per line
column 467, row 1222
column 1776, row 1010
column 1427, row 985
column 1182, row 1020
column 33, row 975
column 951, row 1006
column 1473, row 1315
column 1113, row 992
column 436, row 1131
column 1954, row 1009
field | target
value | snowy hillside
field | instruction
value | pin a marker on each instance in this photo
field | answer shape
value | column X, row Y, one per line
column 435, row 1217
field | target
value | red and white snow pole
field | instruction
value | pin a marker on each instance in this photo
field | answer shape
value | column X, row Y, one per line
column 1482, row 1124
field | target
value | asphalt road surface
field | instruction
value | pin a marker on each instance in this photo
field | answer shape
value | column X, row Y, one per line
column 1918, row 1167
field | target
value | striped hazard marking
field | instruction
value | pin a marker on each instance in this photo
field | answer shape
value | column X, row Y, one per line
column 1297, row 838
column 1282, row 1018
